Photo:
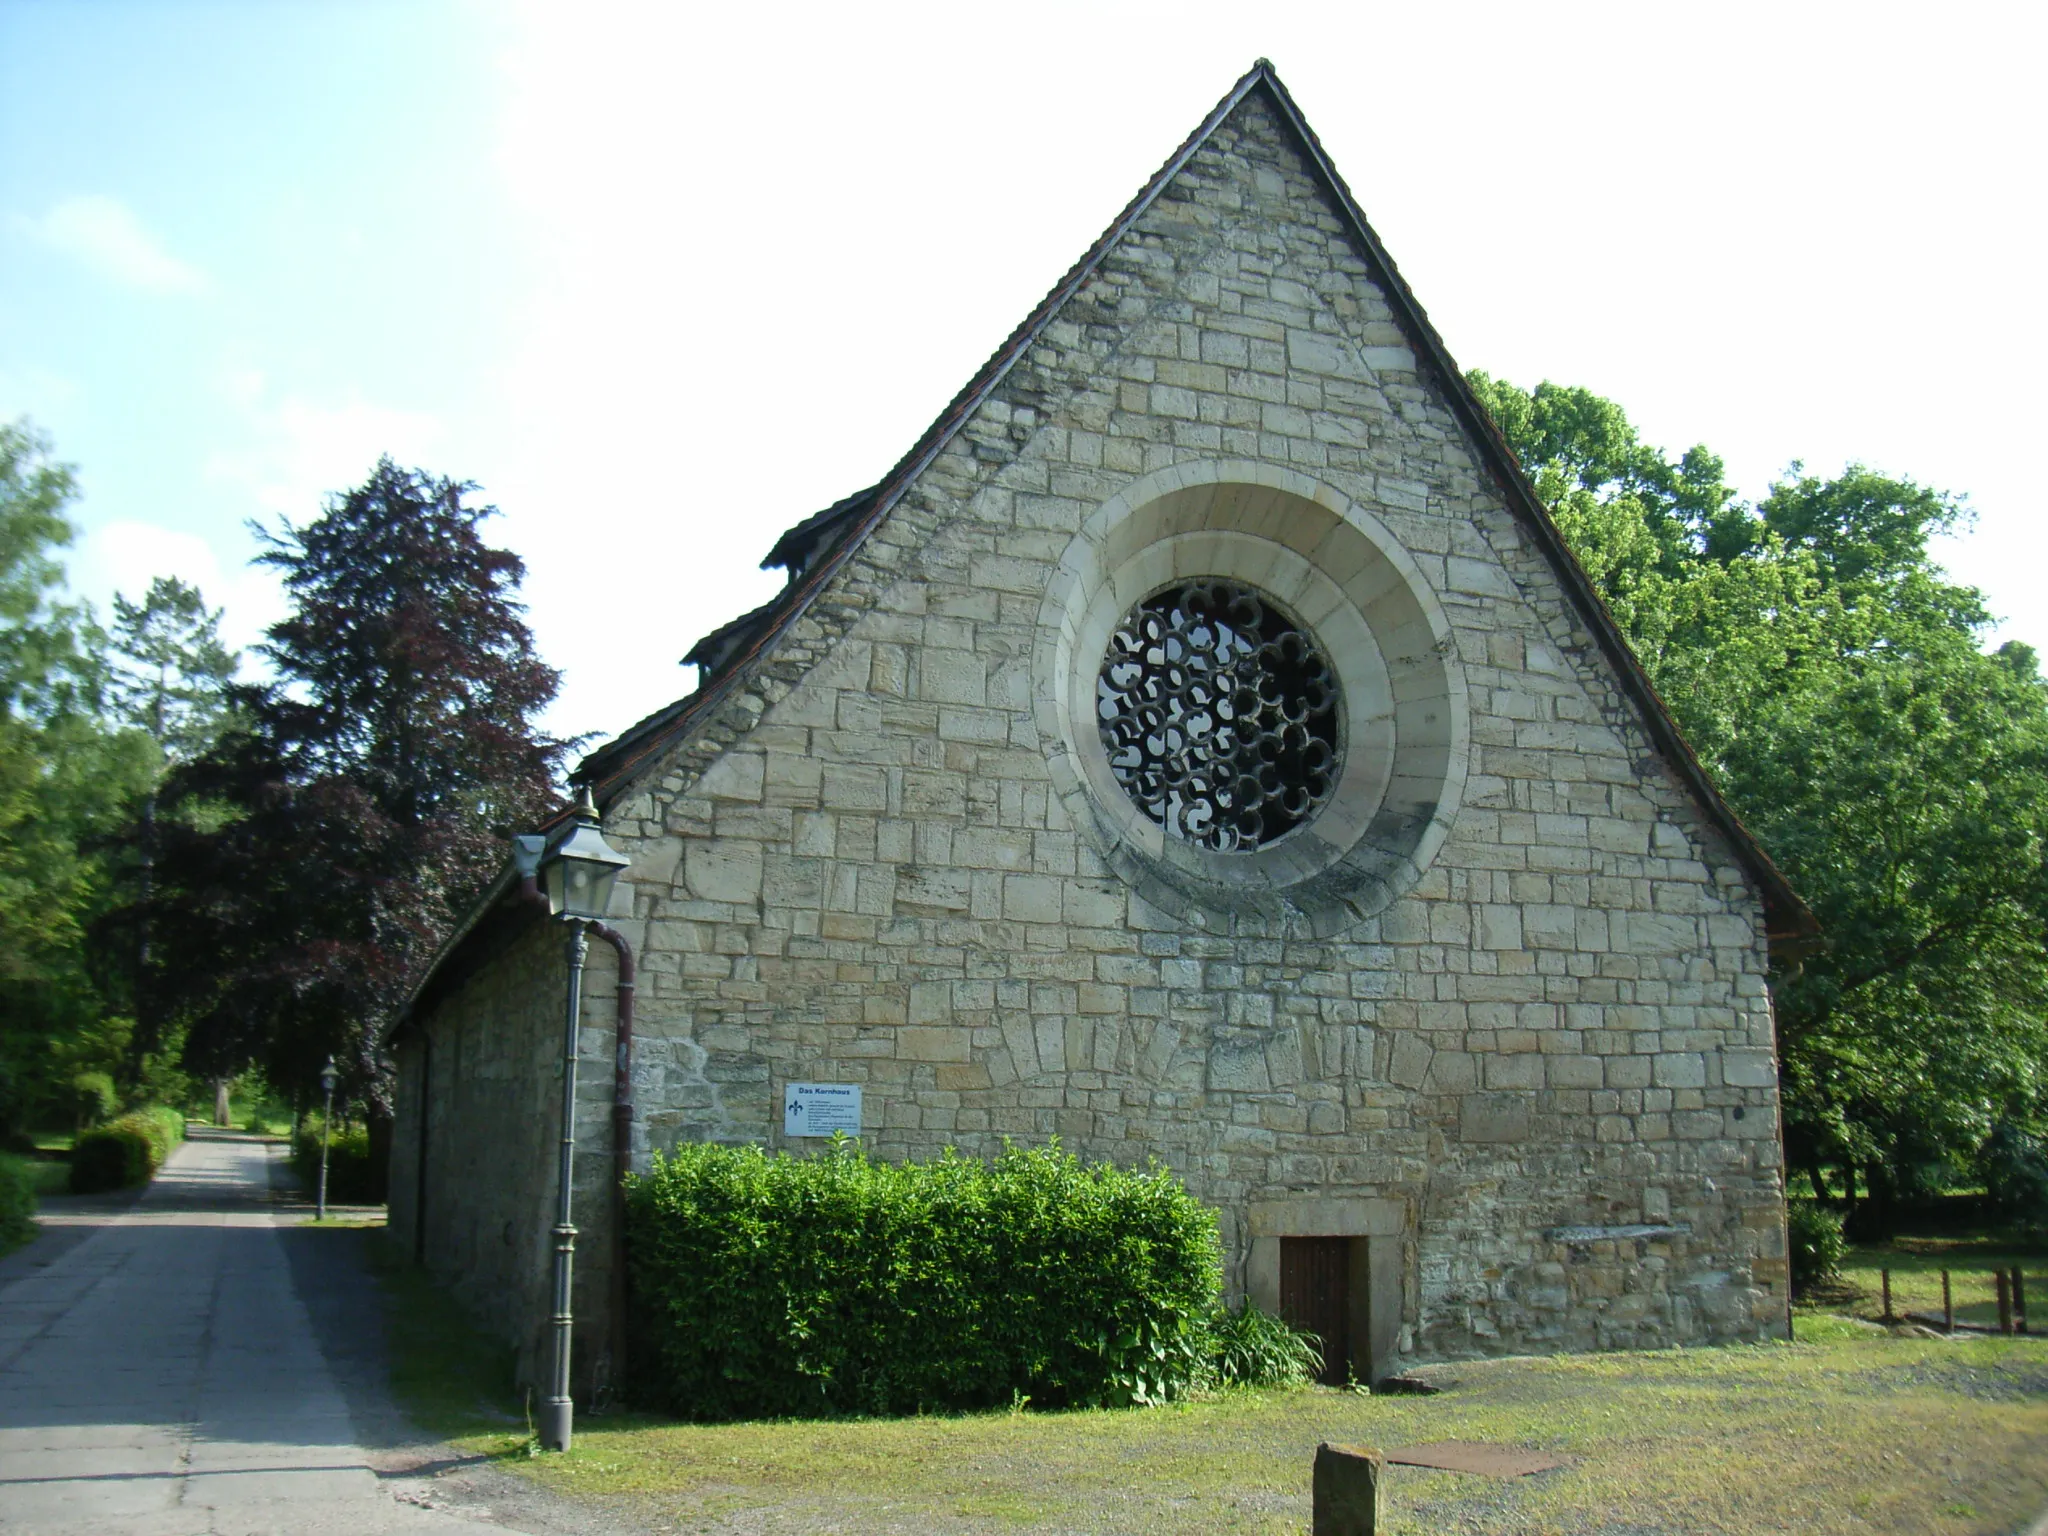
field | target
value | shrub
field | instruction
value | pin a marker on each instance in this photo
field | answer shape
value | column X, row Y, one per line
column 93, row 1098
column 1250, row 1348
column 353, row 1176
column 126, row 1151
column 838, row 1284
column 2015, row 1169
column 1815, row 1235
column 17, row 1202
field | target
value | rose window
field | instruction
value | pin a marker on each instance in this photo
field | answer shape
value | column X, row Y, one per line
column 1219, row 715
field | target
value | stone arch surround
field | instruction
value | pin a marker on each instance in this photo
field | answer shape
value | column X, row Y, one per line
column 1337, row 568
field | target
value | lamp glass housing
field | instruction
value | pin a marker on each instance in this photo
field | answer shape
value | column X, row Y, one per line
column 579, row 874
column 328, row 1077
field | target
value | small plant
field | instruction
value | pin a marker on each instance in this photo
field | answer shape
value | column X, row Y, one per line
column 1818, row 1245
column 1256, row 1349
column 532, row 1446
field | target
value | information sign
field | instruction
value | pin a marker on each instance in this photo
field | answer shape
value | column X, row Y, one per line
column 819, row 1109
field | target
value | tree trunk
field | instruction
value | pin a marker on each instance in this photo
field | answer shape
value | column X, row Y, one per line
column 147, row 1036
column 1818, row 1179
column 1877, row 1221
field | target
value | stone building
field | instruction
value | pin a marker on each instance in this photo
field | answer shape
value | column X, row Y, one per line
column 1201, row 747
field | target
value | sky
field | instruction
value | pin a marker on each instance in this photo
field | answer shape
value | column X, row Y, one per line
column 664, row 279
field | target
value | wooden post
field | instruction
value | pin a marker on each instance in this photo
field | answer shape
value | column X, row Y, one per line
column 1885, row 1275
column 1948, row 1305
column 2004, row 1281
column 1347, row 1491
column 2019, row 1299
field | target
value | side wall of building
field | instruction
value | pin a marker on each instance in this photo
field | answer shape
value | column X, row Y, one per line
column 480, row 1081
column 861, row 871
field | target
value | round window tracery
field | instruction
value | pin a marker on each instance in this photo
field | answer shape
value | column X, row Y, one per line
column 1219, row 715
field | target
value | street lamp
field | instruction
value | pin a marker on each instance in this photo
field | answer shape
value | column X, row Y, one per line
column 327, row 1080
column 577, row 872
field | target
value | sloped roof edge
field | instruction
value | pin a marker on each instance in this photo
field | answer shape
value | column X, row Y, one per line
column 1787, row 916
column 612, row 768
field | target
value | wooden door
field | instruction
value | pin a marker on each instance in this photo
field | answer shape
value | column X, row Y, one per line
column 1315, row 1293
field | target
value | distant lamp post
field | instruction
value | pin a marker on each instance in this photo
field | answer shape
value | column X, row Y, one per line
column 328, row 1077
column 577, row 874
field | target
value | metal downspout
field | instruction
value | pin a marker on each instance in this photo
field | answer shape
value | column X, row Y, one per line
column 622, row 1119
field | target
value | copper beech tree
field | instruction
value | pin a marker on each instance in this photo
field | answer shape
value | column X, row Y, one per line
column 363, row 795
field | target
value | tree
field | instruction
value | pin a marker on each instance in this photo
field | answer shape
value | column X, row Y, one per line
column 371, row 783
column 170, row 680
column 65, row 778
column 171, row 672
column 1832, row 680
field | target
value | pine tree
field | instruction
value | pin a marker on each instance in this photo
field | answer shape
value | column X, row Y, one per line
column 170, row 679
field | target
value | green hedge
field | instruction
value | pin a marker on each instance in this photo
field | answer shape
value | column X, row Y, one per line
column 126, row 1151
column 353, row 1178
column 839, row 1284
column 17, row 1202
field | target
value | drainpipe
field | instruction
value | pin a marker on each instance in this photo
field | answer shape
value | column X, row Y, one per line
column 622, row 1142
column 526, row 855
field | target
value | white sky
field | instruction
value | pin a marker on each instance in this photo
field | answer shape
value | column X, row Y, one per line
column 664, row 279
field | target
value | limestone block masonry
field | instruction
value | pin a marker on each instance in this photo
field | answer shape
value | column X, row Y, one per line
column 1507, row 1002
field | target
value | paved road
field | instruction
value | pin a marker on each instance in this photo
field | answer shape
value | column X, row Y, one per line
column 161, row 1372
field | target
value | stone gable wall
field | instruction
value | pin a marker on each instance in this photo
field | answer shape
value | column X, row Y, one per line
column 862, row 870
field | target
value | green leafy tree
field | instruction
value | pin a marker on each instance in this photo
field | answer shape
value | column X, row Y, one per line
column 1834, row 682
column 65, row 780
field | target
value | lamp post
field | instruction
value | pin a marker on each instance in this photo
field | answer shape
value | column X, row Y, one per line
column 577, row 872
column 327, row 1080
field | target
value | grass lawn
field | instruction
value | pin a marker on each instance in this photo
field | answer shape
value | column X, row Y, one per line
column 1853, row 1428
column 1872, row 1433
column 260, row 1118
